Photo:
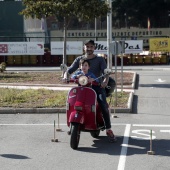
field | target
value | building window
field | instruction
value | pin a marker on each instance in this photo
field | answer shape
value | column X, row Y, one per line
column 54, row 25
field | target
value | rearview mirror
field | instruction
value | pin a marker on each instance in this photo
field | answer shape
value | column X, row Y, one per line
column 63, row 67
column 107, row 71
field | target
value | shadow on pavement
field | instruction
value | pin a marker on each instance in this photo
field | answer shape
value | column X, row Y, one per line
column 14, row 156
column 135, row 104
column 156, row 85
column 103, row 146
column 159, row 146
column 137, row 82
column 135, row 147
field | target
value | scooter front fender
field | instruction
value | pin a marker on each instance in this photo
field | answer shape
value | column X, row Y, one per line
column 76, row 117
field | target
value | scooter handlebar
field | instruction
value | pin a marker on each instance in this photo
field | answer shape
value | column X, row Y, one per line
column 73, row 81
column 88, row 84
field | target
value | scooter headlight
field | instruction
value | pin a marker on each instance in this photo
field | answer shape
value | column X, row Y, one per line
column 78, row 108
column 83, row 80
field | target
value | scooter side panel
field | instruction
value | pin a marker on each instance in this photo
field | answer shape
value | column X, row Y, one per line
column 71, row 99
column 90, row 118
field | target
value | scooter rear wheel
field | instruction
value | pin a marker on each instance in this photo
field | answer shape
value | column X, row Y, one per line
column 95, row 134
column 75, row 135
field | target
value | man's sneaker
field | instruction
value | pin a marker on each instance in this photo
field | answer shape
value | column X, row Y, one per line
column 111, row 136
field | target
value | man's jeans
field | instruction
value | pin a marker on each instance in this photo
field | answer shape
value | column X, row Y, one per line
column 101, row 98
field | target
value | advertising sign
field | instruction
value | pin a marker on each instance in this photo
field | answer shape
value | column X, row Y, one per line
column 100, row 47
column 133, row 46
column 35, row 48
column 21, row 48
column 159, row 44
column 72, row 48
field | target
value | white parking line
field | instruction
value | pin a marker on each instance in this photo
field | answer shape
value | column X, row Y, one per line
column 147, row 125
column 47, row 124
column 123, row 153
column 49, row 88
column 21, row 124
column 36, row 87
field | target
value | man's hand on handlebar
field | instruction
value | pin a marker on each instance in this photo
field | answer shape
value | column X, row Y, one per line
column 103, row 84
column 66, row 78
column 78, row 76
column 90, row 80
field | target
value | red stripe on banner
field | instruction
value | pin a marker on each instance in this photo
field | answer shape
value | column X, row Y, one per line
column 3, row 48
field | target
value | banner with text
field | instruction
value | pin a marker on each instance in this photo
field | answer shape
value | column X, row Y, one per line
column 100, row 47
column 21, row 48
column 72, row 48
column 131, row 46
column 159, row 44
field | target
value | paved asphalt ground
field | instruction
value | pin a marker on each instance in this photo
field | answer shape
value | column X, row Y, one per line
column 25, row 139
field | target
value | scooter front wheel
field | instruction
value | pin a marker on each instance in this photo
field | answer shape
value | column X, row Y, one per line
column 95, row 133
column 75, row 135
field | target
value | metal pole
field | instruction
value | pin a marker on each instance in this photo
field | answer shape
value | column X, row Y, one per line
column 109, row 35
column 95, row 29
column 121, row 72
column 122, row 46
column 151, row 152
column 110, row 31
column 58, row 129
column 54, row 140
column 116, row 50
column 64, row 43
column 64, row 46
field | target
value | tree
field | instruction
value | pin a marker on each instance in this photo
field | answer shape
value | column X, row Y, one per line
column 66, row 9
column 138, row 12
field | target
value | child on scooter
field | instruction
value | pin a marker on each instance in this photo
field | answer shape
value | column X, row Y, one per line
column 84, row 70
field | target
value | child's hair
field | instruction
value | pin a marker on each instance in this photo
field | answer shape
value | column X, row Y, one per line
column 82, row 61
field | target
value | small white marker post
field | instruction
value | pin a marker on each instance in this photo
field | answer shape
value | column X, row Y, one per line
column 151, row 152
column 58, row 129
column 114, row 114
column 54, row 140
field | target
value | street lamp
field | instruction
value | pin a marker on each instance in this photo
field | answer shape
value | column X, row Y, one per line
column 125, row 20
column 168, row 18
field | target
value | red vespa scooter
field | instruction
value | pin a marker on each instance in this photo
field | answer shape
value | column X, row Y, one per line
column 83, row 111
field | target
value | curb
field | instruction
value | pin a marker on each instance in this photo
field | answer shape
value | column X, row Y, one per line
column 60, row 110
column 31, row 110
column 124, row 110
column 63, row 110
column 133, row 82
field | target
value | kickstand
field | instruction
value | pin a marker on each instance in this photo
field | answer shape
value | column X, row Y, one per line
column 69, row 132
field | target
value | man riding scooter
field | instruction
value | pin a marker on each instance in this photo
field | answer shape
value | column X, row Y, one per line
column 97, row 67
